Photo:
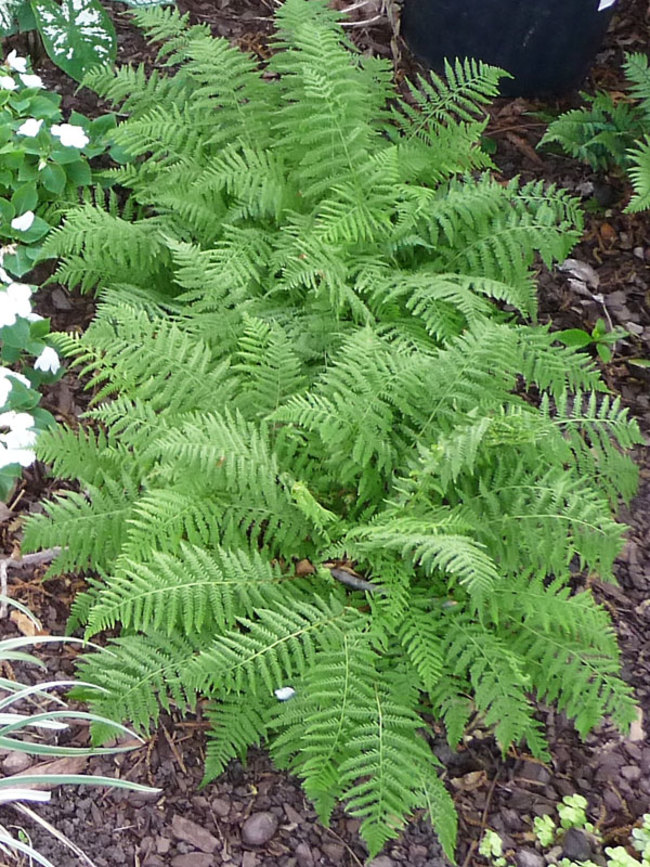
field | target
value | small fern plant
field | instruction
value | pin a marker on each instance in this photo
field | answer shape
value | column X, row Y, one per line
column 329, row 460
column 607, row 132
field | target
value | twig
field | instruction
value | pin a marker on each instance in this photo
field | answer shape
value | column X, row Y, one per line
column 36, row 559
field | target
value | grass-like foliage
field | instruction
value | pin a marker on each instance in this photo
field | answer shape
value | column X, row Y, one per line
column 606, row 131
column 312, row 345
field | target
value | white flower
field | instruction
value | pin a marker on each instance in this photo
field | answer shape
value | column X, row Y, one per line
column 284, row 693
column 18, row 64
column 24, row 457
column 15, row 301
column 30, row 128
column 17, row 443
column 4, row 276
column 71, row 136
column 31, row 80
column 6, row 375
column 24, row 222
column 7, row 82
column 47, row 361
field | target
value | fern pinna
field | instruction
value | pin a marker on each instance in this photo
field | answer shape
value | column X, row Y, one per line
column 312, row 359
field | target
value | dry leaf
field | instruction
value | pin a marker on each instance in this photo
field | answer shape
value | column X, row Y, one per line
column 469, row 782
column 25, row 624
column 67, row 765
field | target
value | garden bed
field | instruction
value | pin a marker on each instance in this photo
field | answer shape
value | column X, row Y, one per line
column 185, row 827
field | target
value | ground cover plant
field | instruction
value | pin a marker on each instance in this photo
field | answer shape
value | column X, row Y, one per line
column 607, row 132
column 44, row 164
column 76, row 34
column 343, row 482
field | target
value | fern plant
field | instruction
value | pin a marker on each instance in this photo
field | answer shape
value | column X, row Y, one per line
column 610, row 133
column 329, row 459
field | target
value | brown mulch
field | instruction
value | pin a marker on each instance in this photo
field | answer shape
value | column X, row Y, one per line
column 188, row 827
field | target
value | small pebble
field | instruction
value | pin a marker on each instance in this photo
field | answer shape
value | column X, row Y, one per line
column 576, row 845
column 527, row 857
column 259, row 828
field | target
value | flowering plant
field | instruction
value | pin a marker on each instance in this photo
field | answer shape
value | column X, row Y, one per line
column 22, row 332
column 43, row 161
column 76, row 34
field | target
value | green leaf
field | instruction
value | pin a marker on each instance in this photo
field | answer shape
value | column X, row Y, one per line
column 604, row 352
column 575, row 337
column 10, row 13
column 7, row 211
column 79, row 173
column 77, row 35
column 54, row 178
column 25, row 198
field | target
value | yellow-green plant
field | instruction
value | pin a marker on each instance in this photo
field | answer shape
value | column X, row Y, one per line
column 299, row 357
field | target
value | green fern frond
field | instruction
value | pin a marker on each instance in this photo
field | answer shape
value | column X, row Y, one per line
column 377, row 781
column 147, row 673
column 275, row 646
column 640, row 176
column 234, row 728
column 188, row 592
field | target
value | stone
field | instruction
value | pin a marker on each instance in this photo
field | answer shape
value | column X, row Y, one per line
column 293, row 815
column 576, row 845
column 194, row 834
column 16, row 762
column 163, row 845
column 528, row 857
column 259, row 828
column 193, row 859
column 304, row 856
column 334, row 851
column 382, row 861
column 632, row 773
column 221, row 807
column 535, row 771
column 249, row 860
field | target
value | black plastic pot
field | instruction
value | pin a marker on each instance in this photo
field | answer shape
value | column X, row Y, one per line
column 547, row 45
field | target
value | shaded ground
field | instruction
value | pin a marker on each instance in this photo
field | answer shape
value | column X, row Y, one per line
column 185, row 827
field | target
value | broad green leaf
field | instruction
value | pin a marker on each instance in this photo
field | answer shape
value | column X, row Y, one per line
column 77, row 35
column 9, row 15
column 25, row 198
column 54, row 178
column 574, row 337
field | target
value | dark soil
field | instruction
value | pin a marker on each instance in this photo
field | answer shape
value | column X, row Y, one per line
column 188, row 827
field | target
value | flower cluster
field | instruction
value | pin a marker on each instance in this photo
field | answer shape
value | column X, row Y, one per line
column 48, row 161
column 22, row 332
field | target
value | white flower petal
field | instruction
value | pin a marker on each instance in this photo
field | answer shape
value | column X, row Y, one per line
column 284, row 693
column 7, row 372
column 15, row 300
column 24, row 457
column 71, row 136
column 17, row 422
column 7, row 82
column 24, row 222
column 15, row 62
column 4, row 276
column 30, row 128
column 7, row 317
column 48, row 361
column 31, row 80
